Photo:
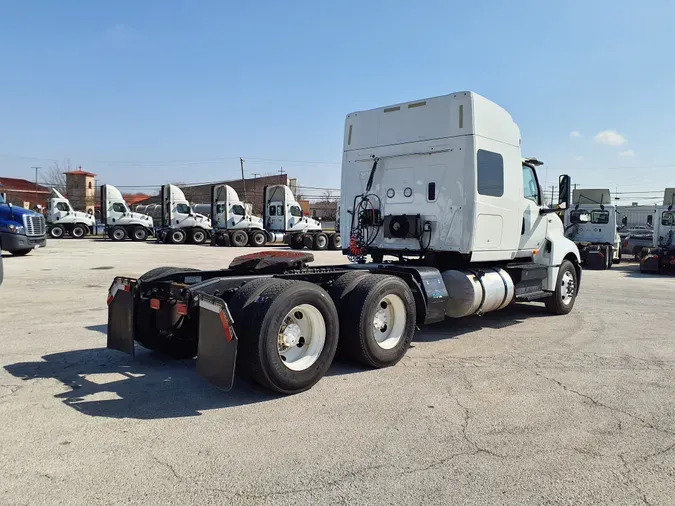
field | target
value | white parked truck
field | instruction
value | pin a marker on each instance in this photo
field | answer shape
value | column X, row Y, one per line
column 233, row 222
column 119, row 222
column 62, row 219
column 284, row 220
column 440, row 185
column 592, row 223
column 180, row 224
column 661, row 257
column 152, row 210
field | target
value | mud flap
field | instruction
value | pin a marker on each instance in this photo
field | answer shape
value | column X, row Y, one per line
column 217, row 349
column 650, row 264
column 121, row 314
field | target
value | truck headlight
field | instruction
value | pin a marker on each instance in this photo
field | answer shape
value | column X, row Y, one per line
column 16, row 229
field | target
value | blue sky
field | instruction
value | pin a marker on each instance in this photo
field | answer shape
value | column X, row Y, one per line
column 149, row 91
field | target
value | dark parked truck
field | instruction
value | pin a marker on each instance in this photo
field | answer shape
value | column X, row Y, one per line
column 21, row 230
column 435, row 192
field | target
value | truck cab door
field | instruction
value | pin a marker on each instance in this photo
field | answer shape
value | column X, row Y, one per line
column 116, row 212
column 294, row 216
column 181, row 214
column 534, row 225
column 275, row 217
column 237, row 215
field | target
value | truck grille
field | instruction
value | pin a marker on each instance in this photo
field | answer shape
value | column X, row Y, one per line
column 34, row 225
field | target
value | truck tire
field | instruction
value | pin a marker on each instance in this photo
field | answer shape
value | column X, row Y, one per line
column 340, row 290
column 21, row 252
column 320, row 242
column 297, row 241
column 609, row 257
column 257, row 238
column 139, row 234
column 334, row 242
column 78, row 232
column 288, row 336
column 378, row 323
column 222, row 239
column 118, row 234
column 56, row 232
column 198, row 236
column 238, row 238
column 177, row 236
column 244, row 296
column 562, row 300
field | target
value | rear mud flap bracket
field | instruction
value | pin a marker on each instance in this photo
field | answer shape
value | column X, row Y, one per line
column 217, row 348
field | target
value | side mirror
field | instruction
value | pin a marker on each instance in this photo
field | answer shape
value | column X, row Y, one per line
column 564, row 191
column 584, row 218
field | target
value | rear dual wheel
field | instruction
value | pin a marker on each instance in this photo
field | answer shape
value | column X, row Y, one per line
column 56, row 232
column 288, row 333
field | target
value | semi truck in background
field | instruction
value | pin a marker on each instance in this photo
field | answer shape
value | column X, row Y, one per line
column 179, row 222
column 591, row 222
column 660, row 258
column 437, row 184
column 285, row 221
column 118, row 220
column 21, row 230
column 152, row 210
column 233, row 222
column 62, row 219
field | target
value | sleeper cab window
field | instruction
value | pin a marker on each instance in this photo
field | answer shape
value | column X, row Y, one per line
column 490, row 173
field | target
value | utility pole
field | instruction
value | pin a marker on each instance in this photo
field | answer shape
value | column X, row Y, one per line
column 37, row 170
column 243, row 180
column 552, row 191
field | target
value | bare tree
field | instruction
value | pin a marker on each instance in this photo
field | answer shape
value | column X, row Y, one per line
column 327, row 196
column 55, row 175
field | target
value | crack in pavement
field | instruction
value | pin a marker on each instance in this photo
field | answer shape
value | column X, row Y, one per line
column 168, row 466
column 465, row 427
column 595, row 402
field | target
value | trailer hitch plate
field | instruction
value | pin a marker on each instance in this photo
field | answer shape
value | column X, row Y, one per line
column 217, row 348
column 121, row 316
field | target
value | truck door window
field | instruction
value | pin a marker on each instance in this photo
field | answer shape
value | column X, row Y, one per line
column 650, row 220
column 220, row 208
column 62, row 206
column 490, row 173
column 118, row 207
column 296, row 211
column 600, row 217
column 273, row 210
column 668, row 218
column 238, row 209
column 280, row 211
column 530, row 185
column 183, row 209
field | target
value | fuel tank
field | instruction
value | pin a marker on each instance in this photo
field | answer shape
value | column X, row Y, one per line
column 479, row 291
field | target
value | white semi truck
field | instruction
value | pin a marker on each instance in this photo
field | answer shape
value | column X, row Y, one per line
column 179, row 222
column 233, row 222
column 152, row 210
column 437, row 184
column 284, row 220
column 62, row 219
column 661, row 257
column 119, row 222
column 592, row 223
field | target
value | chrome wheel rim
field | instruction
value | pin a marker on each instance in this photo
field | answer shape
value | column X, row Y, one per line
column 389, row 321
column 567, row 288
column 301, row 337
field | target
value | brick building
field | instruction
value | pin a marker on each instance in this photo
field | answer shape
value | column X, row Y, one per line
column 24, row 193
column 81, row 189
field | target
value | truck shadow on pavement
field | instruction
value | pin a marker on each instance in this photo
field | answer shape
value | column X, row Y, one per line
column 106, row 383
column 455, row 328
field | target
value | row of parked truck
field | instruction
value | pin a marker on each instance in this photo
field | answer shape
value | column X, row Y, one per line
column 225, row 221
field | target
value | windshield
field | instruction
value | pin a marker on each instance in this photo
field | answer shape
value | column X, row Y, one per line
column 598, row 217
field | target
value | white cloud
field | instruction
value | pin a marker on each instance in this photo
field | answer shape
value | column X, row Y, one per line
column 610, row 137
column 627, row 153
column 575, row 133
column 578, row 158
